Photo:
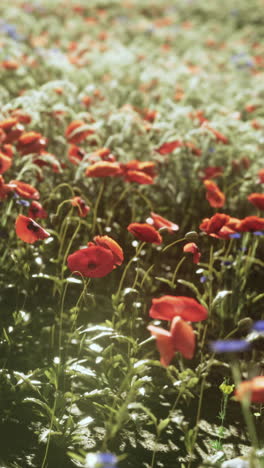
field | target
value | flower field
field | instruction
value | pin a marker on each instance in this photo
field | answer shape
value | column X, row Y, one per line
column 132, row 234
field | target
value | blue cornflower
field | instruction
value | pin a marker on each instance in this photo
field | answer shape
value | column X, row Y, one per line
column 229, row 346
column 23, row 202
column 203, row 279
column 258, row 326
column 100, row 460
column 236, row 235
column 258, row 233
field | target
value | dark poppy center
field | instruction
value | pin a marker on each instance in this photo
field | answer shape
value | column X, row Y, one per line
column 92, row 266
column 32, row 226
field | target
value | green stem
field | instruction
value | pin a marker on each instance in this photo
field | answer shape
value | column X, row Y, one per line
column 176, row 271
column 139, row 248
column 245, row 404
column 99, row 196
column 173, row 243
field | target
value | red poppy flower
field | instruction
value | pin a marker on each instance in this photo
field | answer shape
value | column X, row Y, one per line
column 251, row 224
column 199, row 115
column 13, row 130
column 29, row 231
column 5, row 163
column 75, row 133
column 31, row 142
column 194, row 150
column 103, row 169
column 261, row 175
column 219, row 136
column 215, row 223
column 25, row 190
column 5, row 188
column 169, row 146
column 220, row 225
column 149, row 115
column 215, row 197
column 183, row 337
column 93, row 262
column 87, row 101
column 21, row 116
column 146, row 167
column 193, row 248
column 211, row 172
column 48, row 160
column 104, row 153
column 257, row 199
column 250, row 108
column 168, row 307
column 253, row 389
column 145, row 232
column 10, row 64
column 180, row 338
column 81, row 205
column 139, row 177
column 36, row 210
column 75, row 154
column 8, row 150
column 160, row 222
column 109, row 243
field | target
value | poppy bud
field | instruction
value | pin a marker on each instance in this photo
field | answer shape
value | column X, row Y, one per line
column 191, row 235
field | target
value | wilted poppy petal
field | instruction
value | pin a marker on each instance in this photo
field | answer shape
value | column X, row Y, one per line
column 168, row 307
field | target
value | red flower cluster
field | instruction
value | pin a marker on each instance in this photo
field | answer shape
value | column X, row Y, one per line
column 222, row 225
column 181, row 337
column 140, row 172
